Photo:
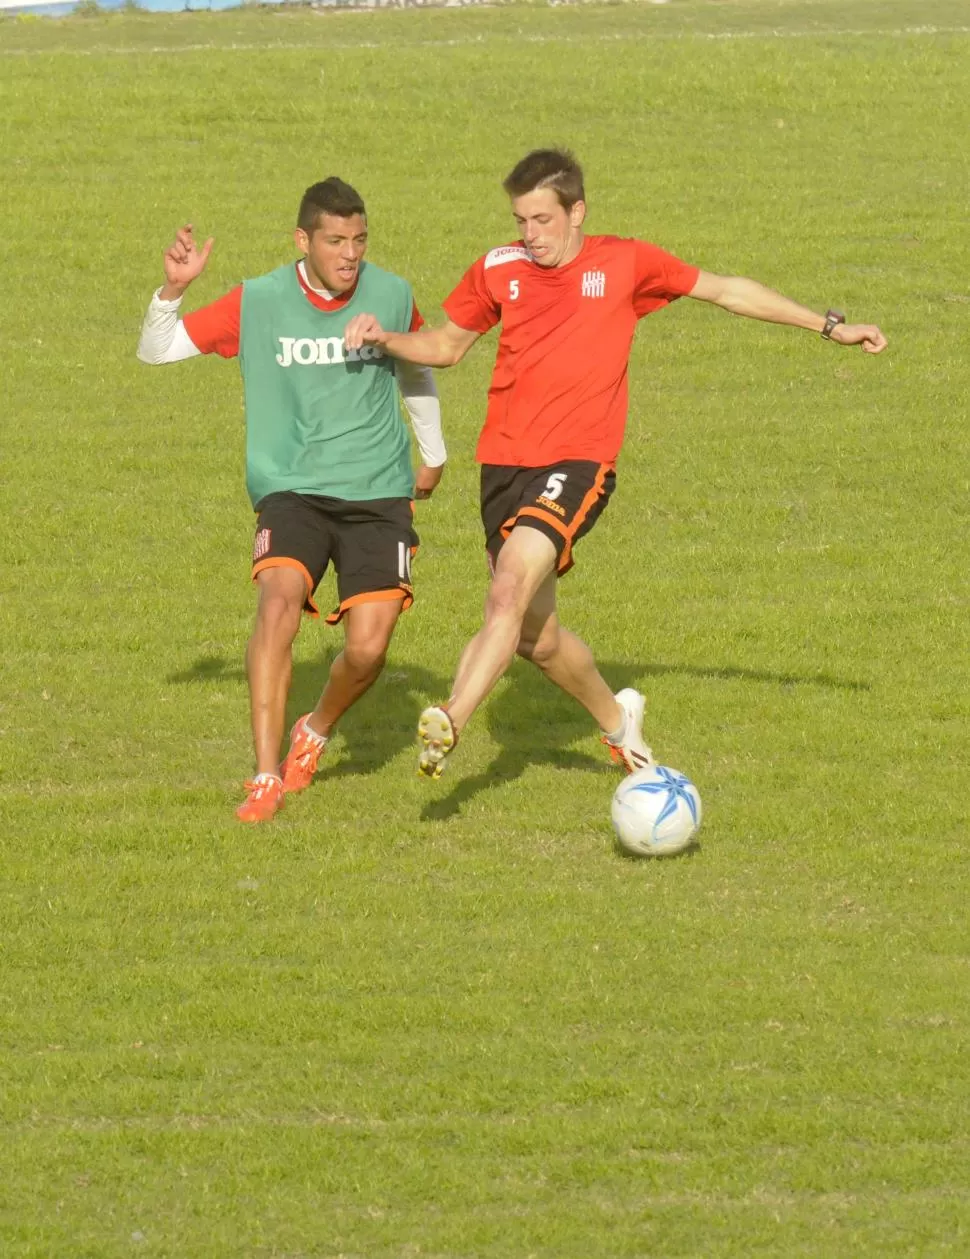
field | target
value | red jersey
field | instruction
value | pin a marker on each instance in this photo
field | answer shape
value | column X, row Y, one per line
column 559, row 387
column 214, row 329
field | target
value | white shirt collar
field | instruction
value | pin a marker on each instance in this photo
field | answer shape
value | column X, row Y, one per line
column 325, row 293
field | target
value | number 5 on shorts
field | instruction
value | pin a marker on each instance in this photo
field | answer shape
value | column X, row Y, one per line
column 554, row 485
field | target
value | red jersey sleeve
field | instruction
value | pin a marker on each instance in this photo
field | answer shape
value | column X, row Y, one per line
column 214, row 329
column 659, row 278
column 470, row 305
column 417, row 320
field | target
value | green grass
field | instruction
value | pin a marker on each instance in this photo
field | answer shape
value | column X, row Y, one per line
column 451, row 1020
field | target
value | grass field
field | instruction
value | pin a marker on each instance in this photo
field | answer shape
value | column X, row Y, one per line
column 449, row 1020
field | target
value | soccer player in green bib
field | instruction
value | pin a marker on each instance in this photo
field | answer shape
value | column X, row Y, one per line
column 328, row 464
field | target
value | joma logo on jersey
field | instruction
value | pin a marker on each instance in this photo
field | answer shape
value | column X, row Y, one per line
column 594, row 284
column 306, row 351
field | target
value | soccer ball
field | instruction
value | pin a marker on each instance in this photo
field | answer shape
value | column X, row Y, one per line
column 656, row 812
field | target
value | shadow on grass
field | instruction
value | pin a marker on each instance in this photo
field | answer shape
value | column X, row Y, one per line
column 217, row 668
column 532, row 722
column 693, row 849
column 375, row 730
column 730, row 673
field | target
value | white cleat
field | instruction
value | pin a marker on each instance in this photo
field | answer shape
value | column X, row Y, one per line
column 438, row 737
column 629, row 750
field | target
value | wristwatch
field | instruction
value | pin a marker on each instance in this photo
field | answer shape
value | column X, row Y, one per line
column 832, row 317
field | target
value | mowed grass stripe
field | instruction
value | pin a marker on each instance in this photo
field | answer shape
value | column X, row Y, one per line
column 905, row 32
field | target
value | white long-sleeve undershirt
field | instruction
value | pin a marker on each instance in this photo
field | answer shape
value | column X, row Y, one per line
column 165, row 340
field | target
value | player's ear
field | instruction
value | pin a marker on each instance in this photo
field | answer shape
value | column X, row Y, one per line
column 301, row 240
column 577, row 214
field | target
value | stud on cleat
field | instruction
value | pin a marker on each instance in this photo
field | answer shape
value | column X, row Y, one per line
column 438, row 737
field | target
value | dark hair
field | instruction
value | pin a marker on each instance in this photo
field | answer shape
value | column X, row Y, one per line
column 547, row 168
column 330, row 196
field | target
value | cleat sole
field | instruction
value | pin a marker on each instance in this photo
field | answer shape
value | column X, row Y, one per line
column 437, row 735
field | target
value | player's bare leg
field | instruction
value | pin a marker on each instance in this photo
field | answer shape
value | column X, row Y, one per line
column 269, row 659
column 525, row 561
column 565, row 659
column 368, row 628
column 269, row 665
column 568, row 662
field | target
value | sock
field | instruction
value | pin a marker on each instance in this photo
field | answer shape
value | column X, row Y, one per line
column 308, row 730
column 617, row 735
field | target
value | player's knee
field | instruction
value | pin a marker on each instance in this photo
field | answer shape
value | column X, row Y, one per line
column 366, row 656
column 506, row 598
column 278, row 615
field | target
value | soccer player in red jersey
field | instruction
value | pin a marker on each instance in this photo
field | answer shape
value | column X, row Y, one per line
column 557, row 406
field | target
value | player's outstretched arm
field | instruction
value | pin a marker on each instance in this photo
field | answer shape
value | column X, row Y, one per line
column 431, row 347
column 746, row 297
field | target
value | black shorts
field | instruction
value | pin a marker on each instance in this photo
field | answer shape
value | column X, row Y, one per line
column 370, row 545
column 563, row 501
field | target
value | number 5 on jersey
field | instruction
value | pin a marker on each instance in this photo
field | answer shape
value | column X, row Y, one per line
column 513, row 290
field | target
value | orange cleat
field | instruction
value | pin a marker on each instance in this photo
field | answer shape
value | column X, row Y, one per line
column 306, row 748
column 264, row 800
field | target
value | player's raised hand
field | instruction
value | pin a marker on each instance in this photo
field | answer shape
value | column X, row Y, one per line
column 364, row 330
column 865, row 334
column 184, row 261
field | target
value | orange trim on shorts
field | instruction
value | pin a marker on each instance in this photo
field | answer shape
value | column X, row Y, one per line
column 372, row 596
column 545, row 516
column 566, row 531
column 565, row 560
column 284, row 561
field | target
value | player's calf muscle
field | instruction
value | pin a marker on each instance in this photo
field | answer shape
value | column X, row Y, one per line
column 541, row 649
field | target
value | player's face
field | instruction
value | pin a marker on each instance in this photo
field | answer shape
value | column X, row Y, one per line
column 552, row 234
column 334, row 251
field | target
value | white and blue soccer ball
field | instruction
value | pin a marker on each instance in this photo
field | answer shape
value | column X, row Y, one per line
column 656, row 812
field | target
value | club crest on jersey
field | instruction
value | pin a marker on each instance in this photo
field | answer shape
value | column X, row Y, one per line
column 594, row 284
column 310, row 351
